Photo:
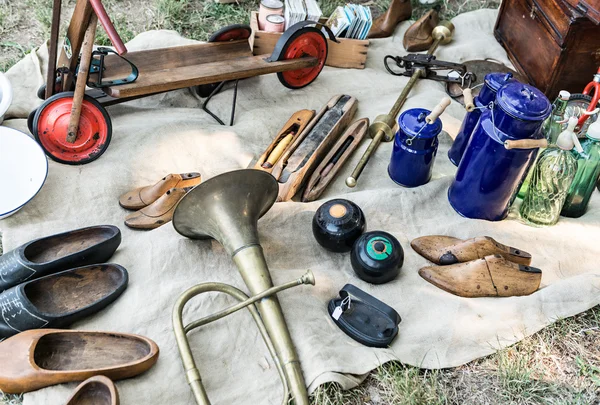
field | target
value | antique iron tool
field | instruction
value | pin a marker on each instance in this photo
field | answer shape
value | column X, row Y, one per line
column 429, row 66
column 381, row 129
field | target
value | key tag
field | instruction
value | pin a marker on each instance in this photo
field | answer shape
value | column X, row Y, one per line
column 339, row 310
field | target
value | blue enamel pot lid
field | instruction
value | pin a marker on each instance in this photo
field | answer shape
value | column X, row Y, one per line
column 523, row 102
column 411, row 121
column 496, row 80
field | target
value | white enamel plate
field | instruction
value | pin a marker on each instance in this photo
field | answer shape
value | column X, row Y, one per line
column 23, row 170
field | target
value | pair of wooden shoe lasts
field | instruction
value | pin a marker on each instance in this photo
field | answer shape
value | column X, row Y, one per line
column 156, row 203
column 478, row 267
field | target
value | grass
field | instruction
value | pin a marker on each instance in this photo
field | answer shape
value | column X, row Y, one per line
column 558, row 365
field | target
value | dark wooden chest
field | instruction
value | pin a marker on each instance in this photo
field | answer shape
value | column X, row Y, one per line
column 555, row 43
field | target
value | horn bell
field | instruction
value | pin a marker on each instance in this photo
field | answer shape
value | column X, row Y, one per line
column 227, row 208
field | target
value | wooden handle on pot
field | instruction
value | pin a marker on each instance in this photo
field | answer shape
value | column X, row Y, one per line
column 526, row 144
column 468, row 99
column 438, row 110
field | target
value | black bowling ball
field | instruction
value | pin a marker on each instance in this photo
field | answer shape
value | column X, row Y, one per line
column 337, row 224
column 377, row 257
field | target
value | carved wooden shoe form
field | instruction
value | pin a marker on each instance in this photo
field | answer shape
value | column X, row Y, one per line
column 159, row 212
column 385, row 25
column 492, row 276
column 40, row 358
column 144, row 196
column 418, row 36
column 97, row 390
column 449, row 250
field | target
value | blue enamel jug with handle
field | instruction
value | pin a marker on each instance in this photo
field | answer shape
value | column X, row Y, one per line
column 491, row 84
column 415, row 145
column 489, row 174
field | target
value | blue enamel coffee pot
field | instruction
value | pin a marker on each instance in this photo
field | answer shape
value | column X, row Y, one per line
column 415, row 147
column 489, row 174
column 491, row 84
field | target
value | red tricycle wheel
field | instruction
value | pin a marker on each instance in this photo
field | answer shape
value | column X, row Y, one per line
column 233, row 32
column 50, row 129
column 308, row 41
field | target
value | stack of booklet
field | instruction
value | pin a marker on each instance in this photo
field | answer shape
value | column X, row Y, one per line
column 300, row 10
column 351, row 21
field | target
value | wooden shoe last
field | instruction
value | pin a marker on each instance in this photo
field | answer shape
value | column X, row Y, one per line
column 449, row 250
column 159, row 212
column 492, row 276
column 97, row 390
column 40, row 358
column 385, row 25
column 418, row 36
column 144, row 196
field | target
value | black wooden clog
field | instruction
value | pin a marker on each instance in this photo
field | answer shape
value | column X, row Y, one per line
column 51, row 254
column 60, row 299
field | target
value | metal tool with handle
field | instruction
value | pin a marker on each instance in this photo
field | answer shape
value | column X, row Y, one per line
column 381, row 129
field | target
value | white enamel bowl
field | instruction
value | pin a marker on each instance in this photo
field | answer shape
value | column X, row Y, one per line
column 6, row 95
column 23, row 170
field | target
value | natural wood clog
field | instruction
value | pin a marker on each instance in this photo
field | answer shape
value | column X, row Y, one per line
column 492, row 276
column 159, row 212
column 144, row 196
column 60, row 299
column 51, row 254
column 40, row 358
column 97, row 390
column 448, row 250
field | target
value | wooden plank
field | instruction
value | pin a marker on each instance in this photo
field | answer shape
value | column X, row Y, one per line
column 173, row 57
column 171, row 79
column 53, row 49
column 348, row 54
column 75, row 33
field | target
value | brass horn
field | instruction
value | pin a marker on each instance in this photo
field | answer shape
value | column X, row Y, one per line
column 227, row 208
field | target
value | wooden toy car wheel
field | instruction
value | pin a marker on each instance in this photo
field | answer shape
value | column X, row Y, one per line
column 50, row 125
column 233, row 32
column 307, row 41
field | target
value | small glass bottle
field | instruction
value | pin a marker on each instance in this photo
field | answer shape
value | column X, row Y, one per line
column 588, row 171
column 552, row 176
column 551, row 128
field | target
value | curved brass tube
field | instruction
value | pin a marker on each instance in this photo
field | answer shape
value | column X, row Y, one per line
column 191, row 371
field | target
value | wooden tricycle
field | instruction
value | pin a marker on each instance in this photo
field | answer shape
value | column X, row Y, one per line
column 72, row 125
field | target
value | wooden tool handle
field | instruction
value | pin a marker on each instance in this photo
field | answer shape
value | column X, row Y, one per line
column 468, row 98
column 438, row 110
column 526, row 144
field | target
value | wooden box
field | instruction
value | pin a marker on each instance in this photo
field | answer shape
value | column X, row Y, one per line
column 349, row 53
column 554, row 43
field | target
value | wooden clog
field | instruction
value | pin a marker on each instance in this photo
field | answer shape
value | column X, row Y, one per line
column 40, row 358
column 97, row 390
column 60, row 299
column 51, row 254
column 159, row 212
column 448, row 250
column 144, row 196
column 492, row 276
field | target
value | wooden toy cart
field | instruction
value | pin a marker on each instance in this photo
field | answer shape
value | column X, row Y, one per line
column 72, row 125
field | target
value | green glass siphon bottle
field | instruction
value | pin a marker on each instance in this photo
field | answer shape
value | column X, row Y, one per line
column 552, row 127
column 552, row 176
column 588, row 171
